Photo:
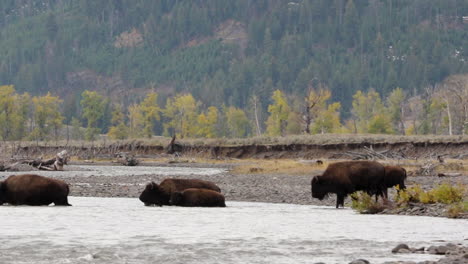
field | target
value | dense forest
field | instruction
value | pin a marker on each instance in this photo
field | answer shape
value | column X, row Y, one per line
column 237, row 54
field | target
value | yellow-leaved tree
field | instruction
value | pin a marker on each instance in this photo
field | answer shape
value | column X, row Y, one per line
column 369, row 113
column 118, row 130
column 136, row 121
column 47, row 117
column 279, row 112
column 182, row 112
column 11, row 114
column 206, row 123
column 327, row 119
column 238, row 124
column 315, row 103
column 150, row 112
column 93, row 106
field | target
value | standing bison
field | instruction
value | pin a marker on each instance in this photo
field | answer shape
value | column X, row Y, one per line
column 155, row 194
column 346, row 177
column 30, row 189
column 194, row 197
column 394, row 176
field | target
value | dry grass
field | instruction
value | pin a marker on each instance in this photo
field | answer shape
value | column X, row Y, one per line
column 281, row 166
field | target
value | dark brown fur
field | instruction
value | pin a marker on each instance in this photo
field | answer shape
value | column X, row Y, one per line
column 30, row 189
column 161, row 194
column 394, row 175
column 195, row 197
column 346, row 177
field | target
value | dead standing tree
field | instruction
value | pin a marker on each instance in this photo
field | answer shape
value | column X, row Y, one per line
column 174, row 148
column 457, row 87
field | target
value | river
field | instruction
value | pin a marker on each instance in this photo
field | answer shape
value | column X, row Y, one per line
column 122, row 230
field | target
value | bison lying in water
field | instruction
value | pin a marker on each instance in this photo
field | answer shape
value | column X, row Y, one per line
column 155, row 194
column 30, row 189
column 195, row 197
column 344, row 178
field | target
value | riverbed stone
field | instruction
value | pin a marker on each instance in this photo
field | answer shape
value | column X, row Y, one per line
column 360, row 261
column 400, row 247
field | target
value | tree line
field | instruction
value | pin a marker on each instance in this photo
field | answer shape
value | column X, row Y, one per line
column 346, row 45
column 442, row 110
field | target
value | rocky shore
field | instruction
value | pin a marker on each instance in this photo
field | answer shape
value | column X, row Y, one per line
column 452, row 254
column 254, row 187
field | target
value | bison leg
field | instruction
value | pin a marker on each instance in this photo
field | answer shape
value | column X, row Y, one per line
column 340, row 200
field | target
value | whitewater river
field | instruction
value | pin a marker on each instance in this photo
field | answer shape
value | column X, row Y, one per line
column 122, row 230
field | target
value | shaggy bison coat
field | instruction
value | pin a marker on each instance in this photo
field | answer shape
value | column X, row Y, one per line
column 195, row 197
column 30, row 189
column 346, row 177
column 155, row 194
column 394, row 175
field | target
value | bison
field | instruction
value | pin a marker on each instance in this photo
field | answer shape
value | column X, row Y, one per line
column 155, row 194
column 346, row 177
column 394, row 175
column 30, row 189
column 195, row 197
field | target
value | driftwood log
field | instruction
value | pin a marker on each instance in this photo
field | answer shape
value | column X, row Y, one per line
column 368, row 153
column 126, row 159
column 54, row 164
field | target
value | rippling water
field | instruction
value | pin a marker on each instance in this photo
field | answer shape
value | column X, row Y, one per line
column 122, row 230
column 99, row 170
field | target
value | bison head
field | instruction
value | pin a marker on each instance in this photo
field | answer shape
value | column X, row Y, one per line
column 319, row 190
column 152, row 195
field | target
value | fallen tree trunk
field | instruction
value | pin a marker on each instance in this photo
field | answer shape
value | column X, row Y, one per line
column 54, row 164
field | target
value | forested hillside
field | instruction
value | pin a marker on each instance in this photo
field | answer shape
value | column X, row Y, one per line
column 231, row 53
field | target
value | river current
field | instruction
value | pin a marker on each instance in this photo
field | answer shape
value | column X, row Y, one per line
column 122, row 230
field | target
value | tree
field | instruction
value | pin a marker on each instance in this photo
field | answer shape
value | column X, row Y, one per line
column 150, row 113
column 51, row 27
column 455, row 92
column 93, row 110
column 182, row 111
column 314, row 104
column 118, row 130
column 237, row 122
column 47, row 117
column 328, row 120
column 279, row 112
column 380, row 124
column 395, row 107
column 365, row 108
column 351, row 22
column 136, row 121
column 77, row 133
column 207, row 123
column 24, row 106
column 13, row 108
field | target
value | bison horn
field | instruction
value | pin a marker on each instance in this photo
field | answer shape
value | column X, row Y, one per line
column 153, row 185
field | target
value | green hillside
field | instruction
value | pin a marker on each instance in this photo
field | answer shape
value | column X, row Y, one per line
column 225, row 51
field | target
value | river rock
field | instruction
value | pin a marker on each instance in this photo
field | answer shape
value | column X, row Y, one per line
column 400, row 247
column 437, row 250
column 359, row 261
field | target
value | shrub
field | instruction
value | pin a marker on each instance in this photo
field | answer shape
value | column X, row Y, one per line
column 448, row 194
column 364, row 204
column 443, row 193
column 455, row 210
